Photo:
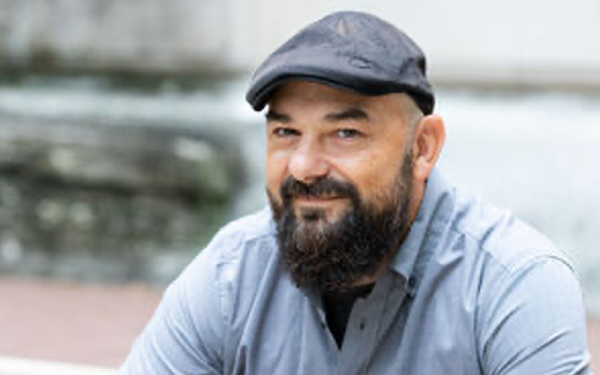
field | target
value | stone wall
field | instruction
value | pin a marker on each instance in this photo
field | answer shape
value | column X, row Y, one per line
column 109, row 185
column 135, row 36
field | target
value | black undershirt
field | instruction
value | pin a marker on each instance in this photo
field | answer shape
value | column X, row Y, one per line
column 338, row 307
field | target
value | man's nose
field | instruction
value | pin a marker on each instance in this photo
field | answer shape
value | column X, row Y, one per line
column 308, row 163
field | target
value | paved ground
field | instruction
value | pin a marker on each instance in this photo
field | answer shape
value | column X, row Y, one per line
column 72, row 323
column 95, row 325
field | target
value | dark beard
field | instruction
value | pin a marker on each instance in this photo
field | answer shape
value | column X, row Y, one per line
column 331, row 257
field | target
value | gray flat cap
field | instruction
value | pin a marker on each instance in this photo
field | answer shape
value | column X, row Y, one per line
column 347, row 50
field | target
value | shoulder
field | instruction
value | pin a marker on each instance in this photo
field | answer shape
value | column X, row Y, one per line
column 244, row 230
column 237, row 243
column 527, row 298
column 240, row 239
column 236, row 260
column 504, row 240
column 189, row 327
column 244, row 242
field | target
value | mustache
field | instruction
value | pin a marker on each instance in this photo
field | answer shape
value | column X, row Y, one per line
column 323, row 187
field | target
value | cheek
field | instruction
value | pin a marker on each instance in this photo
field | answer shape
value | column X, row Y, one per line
column 373, row 175
column 276, row 172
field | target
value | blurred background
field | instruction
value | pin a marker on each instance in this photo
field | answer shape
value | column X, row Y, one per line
column 125, row 143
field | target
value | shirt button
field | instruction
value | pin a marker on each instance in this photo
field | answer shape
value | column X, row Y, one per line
column 412, row 283
column 412, row 286
column 362, row 325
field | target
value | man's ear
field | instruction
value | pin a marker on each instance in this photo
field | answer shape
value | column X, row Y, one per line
column 427, row 144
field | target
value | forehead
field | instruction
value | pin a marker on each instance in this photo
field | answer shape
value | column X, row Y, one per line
column 310, row 95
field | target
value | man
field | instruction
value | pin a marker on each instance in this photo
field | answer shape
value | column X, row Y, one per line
column 367, row 261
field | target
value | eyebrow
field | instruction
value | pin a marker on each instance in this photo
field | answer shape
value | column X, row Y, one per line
column 350, row 114
column 273, row 116
column 353, row 114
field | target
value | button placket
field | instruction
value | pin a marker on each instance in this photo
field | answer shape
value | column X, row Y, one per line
column 363, row 327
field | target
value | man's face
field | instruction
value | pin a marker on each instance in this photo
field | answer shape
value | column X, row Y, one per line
column 338, row 180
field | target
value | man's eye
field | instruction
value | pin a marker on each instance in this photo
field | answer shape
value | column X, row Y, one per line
column 348, row 133
column 285, row 132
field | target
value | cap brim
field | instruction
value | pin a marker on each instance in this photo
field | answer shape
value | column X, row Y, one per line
column 262, row 94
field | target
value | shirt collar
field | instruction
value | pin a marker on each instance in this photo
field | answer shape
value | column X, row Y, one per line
column 425, row 231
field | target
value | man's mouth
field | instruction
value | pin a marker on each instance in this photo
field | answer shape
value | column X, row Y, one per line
column 317, row 200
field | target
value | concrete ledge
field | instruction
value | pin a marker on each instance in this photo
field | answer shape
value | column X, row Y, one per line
column 21, row 366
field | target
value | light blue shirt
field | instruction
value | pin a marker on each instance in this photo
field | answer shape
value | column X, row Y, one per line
column 472, row 291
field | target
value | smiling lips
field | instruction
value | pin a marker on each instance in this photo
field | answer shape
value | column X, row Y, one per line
column 316, row 200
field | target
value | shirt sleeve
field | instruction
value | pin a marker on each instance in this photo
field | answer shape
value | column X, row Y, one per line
column 533, row 323
column 185, row 335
